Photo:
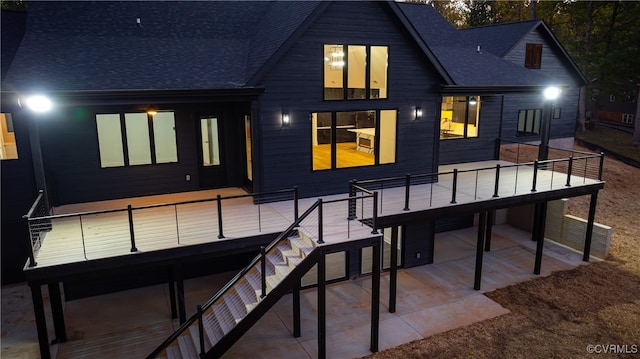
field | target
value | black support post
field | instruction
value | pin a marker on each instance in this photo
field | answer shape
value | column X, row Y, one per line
column 542, row 213
column 589, row 233
column 375, row 296
column 393, row 270
column 57, row 313
column 491, row 215
column 41, row 321
column 172, row 295
column 220, row 229
column 131, row 230
column 479, row 250
column 322, row 308
column 182, row 312
column 296, row 309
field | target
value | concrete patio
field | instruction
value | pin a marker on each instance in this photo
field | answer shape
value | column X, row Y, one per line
column 430, row 299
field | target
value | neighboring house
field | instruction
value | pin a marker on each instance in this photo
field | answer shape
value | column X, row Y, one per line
column 609, row 108
column 166, row 97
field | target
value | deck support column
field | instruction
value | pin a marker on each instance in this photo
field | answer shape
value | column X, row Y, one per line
column 375, row 295
column 482, row 222
column 393, row 270
column 296, row 309
column 541, row 214
column 491, row 215
column 322, row 308
column 589, row 232
column 179, row 278
column 172, row 295
column 57, row 313
column 41, row 321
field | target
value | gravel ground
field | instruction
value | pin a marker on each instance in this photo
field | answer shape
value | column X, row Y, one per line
column 568, row 314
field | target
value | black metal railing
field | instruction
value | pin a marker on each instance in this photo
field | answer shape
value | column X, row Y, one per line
column 439, row 189
column 166, row 224
column 39, row 225
column 312, row 223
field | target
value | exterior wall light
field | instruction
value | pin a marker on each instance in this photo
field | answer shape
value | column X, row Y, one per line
column 285, row 119
column 473, row 101
column 152, row 112
column 39, row 103
column 551, row 93
column 418, row 113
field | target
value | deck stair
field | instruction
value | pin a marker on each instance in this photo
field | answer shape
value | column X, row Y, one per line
column 239, row 305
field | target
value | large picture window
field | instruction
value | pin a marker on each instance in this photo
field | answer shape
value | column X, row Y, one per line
column 136, row 139
column 353, row 138
column 8, row 148
column 529, row 122
column 459, row 117
column 362, row 68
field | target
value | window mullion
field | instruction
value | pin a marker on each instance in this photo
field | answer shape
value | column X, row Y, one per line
column 345, row 70
column 125, row 145
column 376, row 139
column 152, row 142
column 367, row 76
column 334, row 133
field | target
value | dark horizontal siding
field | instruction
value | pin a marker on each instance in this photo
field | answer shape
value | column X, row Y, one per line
column 555, row 67
column 295, row 84
column 476, row 148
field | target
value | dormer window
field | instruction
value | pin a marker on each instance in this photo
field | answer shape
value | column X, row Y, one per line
column 533, row 56
column 355, row 72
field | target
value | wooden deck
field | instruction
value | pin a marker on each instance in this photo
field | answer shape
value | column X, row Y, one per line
column 96, row 236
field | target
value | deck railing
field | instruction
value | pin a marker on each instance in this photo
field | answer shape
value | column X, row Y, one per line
column 445, row 188
column 313, row 222
column 39, row 225
column 159, row 225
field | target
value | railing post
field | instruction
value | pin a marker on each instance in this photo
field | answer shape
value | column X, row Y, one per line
column 320, row 229
column 375, row 214
column 32, row 256
column 352, row 200
column 455, row 185
column 296, row 196
column 220, row 232
column 535, row 175
column 407, row 187
column 601, row 166
column 496, row 154
column 497, row 184
column 200, row 330
column 569, row 172
column 263, row 266
column 132, row 235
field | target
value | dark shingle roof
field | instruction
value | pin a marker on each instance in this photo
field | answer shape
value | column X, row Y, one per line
column 500, row 38
column 457, row 52
column 188, row 45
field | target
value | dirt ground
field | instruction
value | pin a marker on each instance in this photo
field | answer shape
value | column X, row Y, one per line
column 568, row 314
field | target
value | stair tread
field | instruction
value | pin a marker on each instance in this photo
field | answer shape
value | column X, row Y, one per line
column 187, row 349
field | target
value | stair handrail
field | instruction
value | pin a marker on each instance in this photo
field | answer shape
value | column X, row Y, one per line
column 294, row 226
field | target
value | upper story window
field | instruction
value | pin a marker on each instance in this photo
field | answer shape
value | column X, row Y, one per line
column 136, row 138
column 8, row 148
column 533, row 56
column 355, row 72
column 459, row 117
column 627, row 118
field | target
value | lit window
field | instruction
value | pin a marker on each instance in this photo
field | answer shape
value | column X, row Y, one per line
column 529, row 122
column 459, row 117
column 353, row 139
column 627, row 118
column 150, row 139
column 8, row 148
column 533, row 56
column 362, row 68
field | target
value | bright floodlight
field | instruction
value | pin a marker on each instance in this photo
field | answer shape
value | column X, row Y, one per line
column 39, row 103
column 551, row 93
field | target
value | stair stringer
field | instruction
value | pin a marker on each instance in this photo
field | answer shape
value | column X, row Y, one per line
column 264, row 305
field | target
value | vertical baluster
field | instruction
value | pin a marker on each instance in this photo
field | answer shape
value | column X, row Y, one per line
column 497, row 182
column 535, row 175
column 131, row 232
column 200, row 330
column 455, row 186
column 407, row 187
column 569, row 170
column 264, row 272
column 220, row 232
column 320, row 229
